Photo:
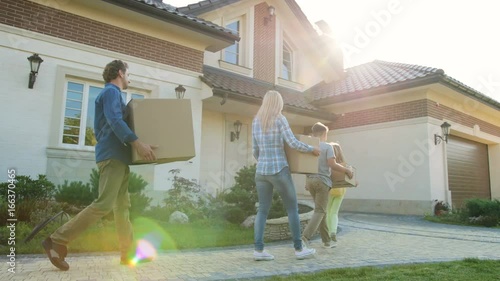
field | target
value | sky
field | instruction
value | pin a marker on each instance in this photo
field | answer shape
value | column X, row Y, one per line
column 461, row 37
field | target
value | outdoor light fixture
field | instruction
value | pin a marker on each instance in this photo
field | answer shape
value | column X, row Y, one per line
column 269, row 18
column 445, row 127
column 35, row 62
column 237, row 129
column 179, row 92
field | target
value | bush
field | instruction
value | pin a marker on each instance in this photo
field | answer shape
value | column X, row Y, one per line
column 234, row 214
column 29, row 189
column 31, row 195
column 243, row 195
column 482, row 212
column 139, row 203
column 75, row 193
column 185, row 196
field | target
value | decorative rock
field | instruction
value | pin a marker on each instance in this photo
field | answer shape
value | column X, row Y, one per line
column 249, row 222
column 178, row 217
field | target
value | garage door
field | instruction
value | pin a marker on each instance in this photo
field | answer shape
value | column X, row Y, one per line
column 468, row 170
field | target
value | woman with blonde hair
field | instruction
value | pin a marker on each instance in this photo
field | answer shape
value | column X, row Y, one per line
column 270, row 131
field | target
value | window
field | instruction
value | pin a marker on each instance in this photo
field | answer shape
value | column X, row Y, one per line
column 79, row 111
column 232, row 53
column 287, row 62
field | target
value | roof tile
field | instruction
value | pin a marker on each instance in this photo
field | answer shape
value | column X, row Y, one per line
column 247, row 86
column 181, row 13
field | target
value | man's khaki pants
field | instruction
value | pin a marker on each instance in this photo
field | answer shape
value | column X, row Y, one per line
column 319, row 192
column 113, row 196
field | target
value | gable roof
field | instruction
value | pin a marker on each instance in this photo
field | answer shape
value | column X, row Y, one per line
column 382, row 76
column 375, row 77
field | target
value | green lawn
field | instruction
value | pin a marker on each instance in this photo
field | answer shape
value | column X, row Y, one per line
column 465, row 270
column 207, row 234
column 102, row 237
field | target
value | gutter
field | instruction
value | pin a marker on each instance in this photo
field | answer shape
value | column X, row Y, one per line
column 435, row 78
column 176, row 18
column 224, row 94
column 459, row 87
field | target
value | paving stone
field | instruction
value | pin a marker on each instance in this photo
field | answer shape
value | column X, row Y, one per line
column 365, row 240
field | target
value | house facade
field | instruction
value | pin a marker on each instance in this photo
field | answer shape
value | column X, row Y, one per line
column 227, row 54
column 53, row 122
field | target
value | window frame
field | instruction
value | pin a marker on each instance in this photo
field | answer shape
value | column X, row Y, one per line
column 293, row 82
column 239, row 47
column 290, row 71
column 63, row 75
column 87, row 84
column 246, row 46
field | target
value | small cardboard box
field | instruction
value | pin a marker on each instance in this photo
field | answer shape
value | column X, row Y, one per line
column 302, row 162
column 167, row 123
column 340, row 179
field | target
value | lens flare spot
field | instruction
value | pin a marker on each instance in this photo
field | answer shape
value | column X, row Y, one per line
column 145, row 250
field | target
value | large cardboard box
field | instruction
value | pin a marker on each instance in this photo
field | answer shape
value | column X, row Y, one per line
column 167, row 123
column 340, row 179
column 302, row 162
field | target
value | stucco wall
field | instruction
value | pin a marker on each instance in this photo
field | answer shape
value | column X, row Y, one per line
column 394, row 162
column 212, row 151
column 34, row 116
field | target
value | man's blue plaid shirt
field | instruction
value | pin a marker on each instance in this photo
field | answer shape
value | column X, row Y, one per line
column 268, row 148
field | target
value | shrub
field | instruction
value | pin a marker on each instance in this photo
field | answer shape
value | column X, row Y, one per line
column 185, row 196
column 234, row 215
column 29, row 189
column 243, row 195
column 75, row 193
column 31, row 195
column 482, row 211
column 139, row 203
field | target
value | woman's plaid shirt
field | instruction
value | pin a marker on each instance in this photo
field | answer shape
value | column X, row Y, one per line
column 268, row 147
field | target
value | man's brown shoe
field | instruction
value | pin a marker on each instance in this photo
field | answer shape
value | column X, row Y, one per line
column 56, row 253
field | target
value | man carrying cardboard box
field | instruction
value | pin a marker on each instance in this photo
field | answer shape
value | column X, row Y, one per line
column 319, row 185
column 113, row 155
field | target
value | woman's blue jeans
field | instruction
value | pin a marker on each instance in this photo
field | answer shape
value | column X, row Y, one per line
column 283, row 183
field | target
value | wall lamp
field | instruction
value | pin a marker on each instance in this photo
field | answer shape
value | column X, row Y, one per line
column 179, row 91
column 237, row 129
column 269, row 18
column 445, row 127
column 35, row 62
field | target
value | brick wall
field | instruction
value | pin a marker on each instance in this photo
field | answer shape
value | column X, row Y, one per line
column 46, row 20
column 409, row 110
column 264, row 45
column 467, row 119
